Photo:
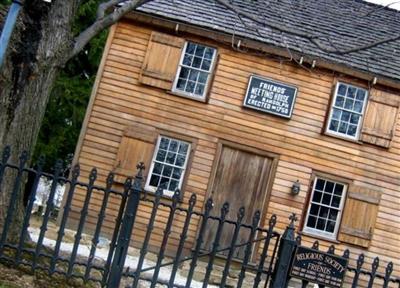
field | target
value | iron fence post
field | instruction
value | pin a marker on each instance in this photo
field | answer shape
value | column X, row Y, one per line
column 286, row 248
column 128, row 220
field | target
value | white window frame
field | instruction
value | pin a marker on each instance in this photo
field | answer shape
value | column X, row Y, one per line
column 206, row 86
column 166, row 192
column 317, row 232
column 342, row 135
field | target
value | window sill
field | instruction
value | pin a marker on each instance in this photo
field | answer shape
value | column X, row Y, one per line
column 184, row 95
column 318, row 237
column 150, row 195
column 327, row 133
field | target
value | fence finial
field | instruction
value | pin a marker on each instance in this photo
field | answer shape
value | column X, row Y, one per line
column 110, row 179
column 293, row 219
column 177, row 195
column 140, row 168
column 272, row 220
column 224, row 210
column 240, row 213
column 209, row 204
column 192, row 200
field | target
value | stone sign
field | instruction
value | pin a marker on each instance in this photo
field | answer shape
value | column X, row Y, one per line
column 270, row 96
column 319, row 267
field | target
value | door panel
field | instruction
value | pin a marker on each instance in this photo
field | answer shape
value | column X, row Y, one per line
column 240, row 179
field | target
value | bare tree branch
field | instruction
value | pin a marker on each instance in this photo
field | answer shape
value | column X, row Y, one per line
column 102, row 22
column 103, row 7
column 314, row 39
column 380, row 8
column 105, row 20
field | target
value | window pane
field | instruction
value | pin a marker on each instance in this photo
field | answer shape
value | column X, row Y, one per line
column 193, row 75
column 338, row 189
column 161, row 155
column 326, row 199
column 351, row 92
column 358, row 105
column 173, row 146
column 323, row 212
column 181, row 84
column 321, row 224
column 206, row 65
column 329, row 186
column 171, row 158
column 200, row 50
column 199, row 89
column 334, row 126
column 203, row 77
column 320, row 184
column 180, row 160
column 177, row 173
column 154, row 180
column 317, row 196
column 190, row 48
column 360, row 94
column 184, row 73
column 314, row 209
column 345, row 116
column 352, row 130
column 333, row 214
column 157, row 168
column 311, row 222
column 187, row 60
column 183, row 147
column 209, row 53
column 342, row 90
column 330, row 226
column 343, row 127
column 190, row 86
column 164, row 183
column 167, row 171
column 354, row 118
column 336, row 113
column 339, row 101
column 173, row 185
column 349, row 104
column 336, row 201
column 196, row 62
column 164, row 143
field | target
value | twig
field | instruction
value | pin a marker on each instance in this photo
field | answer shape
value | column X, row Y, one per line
column 104, row 22
column 314, row 39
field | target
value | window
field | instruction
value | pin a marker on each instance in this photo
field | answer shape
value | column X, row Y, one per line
column 325, row 209
column 348, row 107
column 194, row 70
column 167, row 169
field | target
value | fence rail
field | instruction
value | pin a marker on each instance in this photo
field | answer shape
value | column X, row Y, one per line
column 263, row 259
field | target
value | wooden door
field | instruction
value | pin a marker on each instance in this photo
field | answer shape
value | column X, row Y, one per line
column 240, row 179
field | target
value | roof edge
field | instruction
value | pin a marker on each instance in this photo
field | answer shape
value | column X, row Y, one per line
column 226, row 38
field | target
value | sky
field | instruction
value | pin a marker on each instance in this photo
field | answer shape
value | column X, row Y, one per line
column 394, row 4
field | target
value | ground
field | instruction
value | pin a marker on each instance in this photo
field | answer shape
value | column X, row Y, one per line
column 21, row 278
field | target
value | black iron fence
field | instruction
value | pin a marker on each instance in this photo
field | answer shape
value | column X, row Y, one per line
column 104, row 218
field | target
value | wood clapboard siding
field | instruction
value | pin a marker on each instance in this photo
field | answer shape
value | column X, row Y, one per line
column 121, row 100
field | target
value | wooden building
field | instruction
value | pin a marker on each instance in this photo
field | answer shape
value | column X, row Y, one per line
column 226, row 107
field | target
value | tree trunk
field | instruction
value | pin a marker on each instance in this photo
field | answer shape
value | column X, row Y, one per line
column 36, row 53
